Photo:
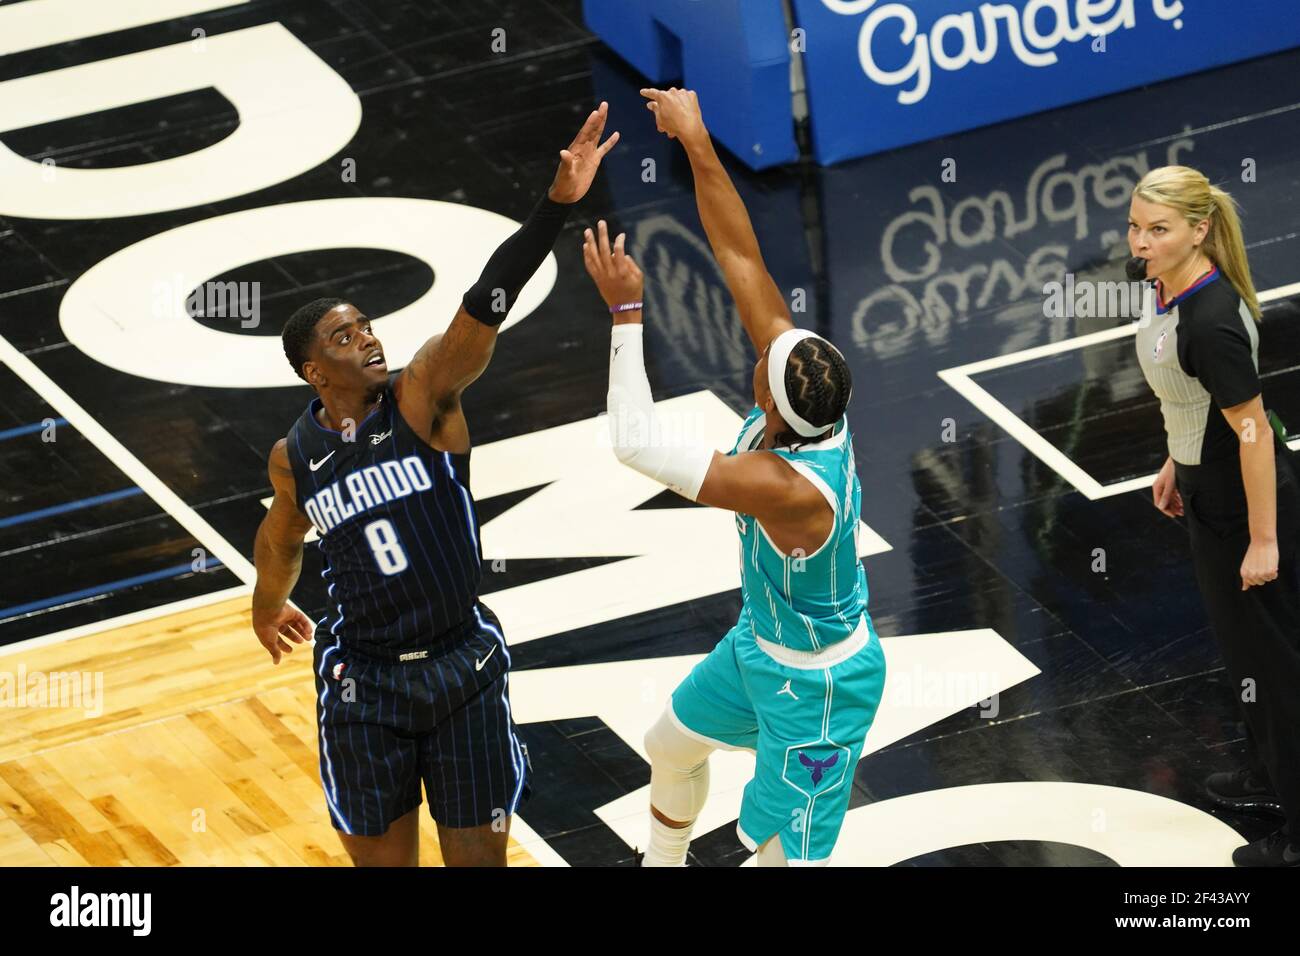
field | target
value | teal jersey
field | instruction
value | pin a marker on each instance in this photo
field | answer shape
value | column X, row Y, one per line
column 806, row 602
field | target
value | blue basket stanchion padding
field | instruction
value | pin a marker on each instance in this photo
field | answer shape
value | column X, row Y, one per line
column 734, row 53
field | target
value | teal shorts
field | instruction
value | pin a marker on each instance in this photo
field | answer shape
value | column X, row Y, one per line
column 805, row 716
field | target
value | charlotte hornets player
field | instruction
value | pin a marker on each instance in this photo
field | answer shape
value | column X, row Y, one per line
column 798, row 680
column 411, row 669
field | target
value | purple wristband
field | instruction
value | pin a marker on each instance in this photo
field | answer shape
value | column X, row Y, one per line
column 625, row 307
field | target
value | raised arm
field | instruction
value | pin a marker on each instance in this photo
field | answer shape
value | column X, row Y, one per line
column 277, row 554
column 447, row 364
column 757, row 483
column 761, row 306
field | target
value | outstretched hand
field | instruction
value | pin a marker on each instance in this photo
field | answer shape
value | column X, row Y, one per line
column 578, row 163
column 617, row 277
column 677, row 113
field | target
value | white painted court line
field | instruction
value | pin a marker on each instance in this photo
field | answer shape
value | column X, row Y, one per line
column 124, row 620
column 960, row 379
column 40, row 23
column 527, row 838
column 1281, row 292
column 311, row 535
column 133, row 468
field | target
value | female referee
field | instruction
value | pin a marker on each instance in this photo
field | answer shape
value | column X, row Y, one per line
column 1198, row 344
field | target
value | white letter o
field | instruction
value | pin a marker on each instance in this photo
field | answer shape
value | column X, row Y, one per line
column 1142, row 829
column 112, row 312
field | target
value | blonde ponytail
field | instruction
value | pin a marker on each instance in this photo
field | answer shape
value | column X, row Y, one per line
column 1227, row 249
column 1190, row 193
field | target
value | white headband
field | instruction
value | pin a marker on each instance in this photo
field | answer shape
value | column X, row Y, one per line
column 777, row 357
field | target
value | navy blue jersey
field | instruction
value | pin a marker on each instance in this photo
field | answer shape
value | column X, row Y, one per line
column 397, row 527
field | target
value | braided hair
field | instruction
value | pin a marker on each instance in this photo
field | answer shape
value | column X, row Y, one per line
column 818, row 383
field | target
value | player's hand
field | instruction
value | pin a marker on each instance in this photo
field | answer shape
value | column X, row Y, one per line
column 1164, row 493
column 275, row 629
column 578, row 163
column 1260, row 564
column 616, row 276
column 677, row 113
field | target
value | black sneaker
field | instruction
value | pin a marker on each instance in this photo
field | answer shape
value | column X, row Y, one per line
column 1276, row 849
column 1241, row 790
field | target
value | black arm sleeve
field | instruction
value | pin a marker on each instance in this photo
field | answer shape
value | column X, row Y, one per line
column 1219, row 355
column 513, row 264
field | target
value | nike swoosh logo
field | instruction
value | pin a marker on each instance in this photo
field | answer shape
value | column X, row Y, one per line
column 478, row 664
column 316, row 464
column 616, row 348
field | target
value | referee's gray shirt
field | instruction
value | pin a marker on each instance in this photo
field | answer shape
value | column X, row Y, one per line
column 1200, row 354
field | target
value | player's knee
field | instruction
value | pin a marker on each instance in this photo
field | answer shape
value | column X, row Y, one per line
column 367, row 860
column 652, row 747
column 399, row 845
column 666, row 746
column 473, row 846
column 657, row 747
column 387, row 855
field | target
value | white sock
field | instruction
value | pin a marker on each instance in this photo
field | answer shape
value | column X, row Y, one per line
column 668, row 845
column 679, row 783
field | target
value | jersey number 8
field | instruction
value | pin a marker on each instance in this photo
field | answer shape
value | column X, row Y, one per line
column 386, row 547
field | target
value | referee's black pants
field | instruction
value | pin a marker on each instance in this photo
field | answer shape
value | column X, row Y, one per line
column 1258, row 629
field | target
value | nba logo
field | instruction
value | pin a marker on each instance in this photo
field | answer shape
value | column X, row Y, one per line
column 1160, row 344
column 338, row 671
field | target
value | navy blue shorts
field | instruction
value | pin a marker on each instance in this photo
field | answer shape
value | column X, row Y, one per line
column 440, row 715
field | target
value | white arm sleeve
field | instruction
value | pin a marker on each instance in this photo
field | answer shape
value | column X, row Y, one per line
column 641, row 440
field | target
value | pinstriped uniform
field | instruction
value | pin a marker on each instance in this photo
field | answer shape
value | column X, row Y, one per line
column 411, row 668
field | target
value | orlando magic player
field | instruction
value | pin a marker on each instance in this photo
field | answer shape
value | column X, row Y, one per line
column 411, row 668
column 799, row 678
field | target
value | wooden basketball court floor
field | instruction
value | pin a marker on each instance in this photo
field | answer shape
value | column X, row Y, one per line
column 202, row 755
